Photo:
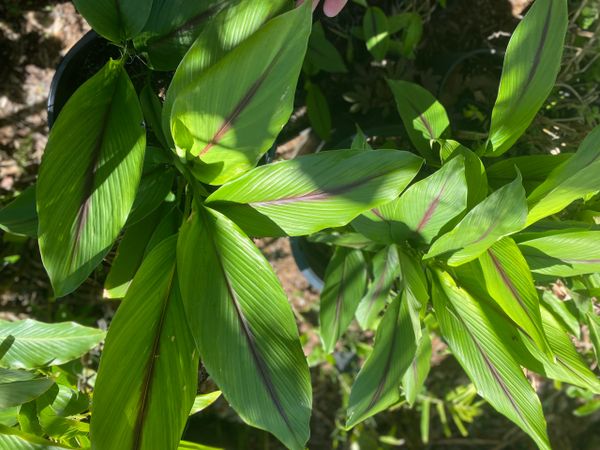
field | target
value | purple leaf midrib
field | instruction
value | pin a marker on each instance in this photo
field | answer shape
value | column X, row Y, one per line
column 431, row 209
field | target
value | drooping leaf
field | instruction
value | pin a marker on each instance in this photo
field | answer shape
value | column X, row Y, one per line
column 233, row 300
column 345, row 284
column 314, row 192
column 53, row 410
column 530, row 69
column 18, row 387
column 534, row 169
column 38, row 344
column 487, row 358
column 146, row 382
column 235, row 23
column 475, row 172
column 203, row 401
column 376, row 32
column 572, row 180
column 318, row 111
column 20, row 216
column 509, row 282
column 377, row 385
column 415, row 376
column 116, row 20
column 424, row 118
column 322, row 54
column 385, row 271
column 564, row 254
column 172, row 27
column 231, row 114
column 89, row 176
column 12, row 438
column 431, row 203
column 501, row 214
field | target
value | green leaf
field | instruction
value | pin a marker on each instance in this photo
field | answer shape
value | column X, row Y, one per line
column 20, row 216
column 116, row 20
column 509, row 282
column 475, row 172
column 231, row 114
column 360, row 141
column 486, row 358
column 185, row 445
column 55, row 407
column 146, row 382
column 501, row 214
column 234, row 301
column 431, row 203
column 564, row 254
column 318, row 111
column 534, row 169
column 376, row 32
column 14, row 439
column 38, row 344
column 564, row 311
column 152, row 110
column 322, row 54
column 415, row 376
column 424, row 118
column 203, row 401
column 314, row 192
column 377, row 384
column 530, row 69
column 172, row 27
column 385, row 271
column 89, row 176
column 568, row 182
column 345, row 284
column 18, row 387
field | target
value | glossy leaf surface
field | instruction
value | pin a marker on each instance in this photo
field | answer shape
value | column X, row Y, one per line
column 89, row 176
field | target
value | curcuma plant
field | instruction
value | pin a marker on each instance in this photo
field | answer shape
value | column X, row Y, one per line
column 460, row 251
column 175, row 175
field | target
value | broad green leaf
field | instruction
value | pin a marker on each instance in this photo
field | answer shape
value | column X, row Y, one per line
column 230, row 114
column 572, row 180
column 360, row 141
column 486, row 358
column 475, row 172
column 509, row 282
column 53, row 411
column 322, row 54
column 414, row 281
column 377, row 385
column 564, row 254
column 564, row 311
column 234, row 301
column 314, row 192
column 38, row 344
column 385, row 271
column 529, row 72
column 203, row 401
column 592, row 320
column 152, row 110
column 415, row 376
column 172, row 27
column 148, row 373
column 345, row 284
column 424, row 118
column 18, row 387
column 8, row 416
column 89, row 176
column 116, row 20
column 185, row 445
column 20, row 216
column 14, row 439
column 220, row 35
column 376, row 32
column 534, row 169
column 431, row 203
column 347, row 239
column 318, row 111
column 501, row 214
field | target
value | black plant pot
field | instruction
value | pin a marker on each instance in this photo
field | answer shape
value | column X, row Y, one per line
column 80, row 63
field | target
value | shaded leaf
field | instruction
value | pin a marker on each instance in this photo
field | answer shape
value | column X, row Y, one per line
column 233, row 300
column 20, row 215
column 144, row 404
column 415, row 376
column 318, row 111
column 89, row 176
column 18, row 387
column 14, row 439
column 322, row 53
column 345, row 284
column 376, row 32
